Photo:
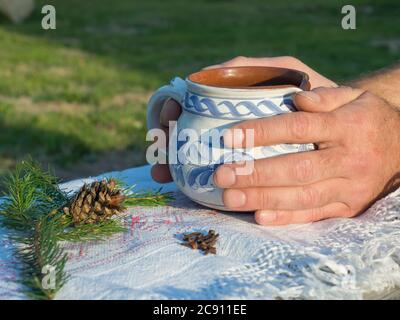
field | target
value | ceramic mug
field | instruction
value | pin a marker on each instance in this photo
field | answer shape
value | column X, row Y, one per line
column 213, row 100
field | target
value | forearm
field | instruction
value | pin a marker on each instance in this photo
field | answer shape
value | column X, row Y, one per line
column 384, row 83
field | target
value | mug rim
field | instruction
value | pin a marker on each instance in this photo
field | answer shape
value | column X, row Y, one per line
column 259, row 75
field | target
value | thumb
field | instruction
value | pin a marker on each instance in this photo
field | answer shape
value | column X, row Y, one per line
column 324, row 99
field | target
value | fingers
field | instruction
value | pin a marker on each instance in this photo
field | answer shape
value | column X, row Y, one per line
column 295, row 127
column 281, row 217
column 161, row 173
column 325, row 99
column 279, row 62
column 285, row 198
column 286, row 170
column 170, row 111
column 316, row 79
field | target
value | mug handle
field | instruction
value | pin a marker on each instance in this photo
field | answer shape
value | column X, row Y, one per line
column 175, row 90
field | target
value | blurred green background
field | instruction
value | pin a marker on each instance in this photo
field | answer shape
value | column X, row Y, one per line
column 76, row 97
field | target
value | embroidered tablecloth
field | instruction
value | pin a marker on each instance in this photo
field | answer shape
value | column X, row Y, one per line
column 332, row 259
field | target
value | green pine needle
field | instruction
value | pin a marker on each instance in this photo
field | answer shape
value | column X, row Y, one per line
column 143, row 198
column 32, row 197
column 40, row 253
column 32, row 208
column 148, row 198
column 88, row 232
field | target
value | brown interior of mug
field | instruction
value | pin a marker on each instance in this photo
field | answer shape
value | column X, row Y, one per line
column 251, row 77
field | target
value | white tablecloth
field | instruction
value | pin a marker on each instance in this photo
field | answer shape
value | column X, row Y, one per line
column 338, row 258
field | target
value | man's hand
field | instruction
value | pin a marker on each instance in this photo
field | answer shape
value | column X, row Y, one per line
column 171, row 109
column 357, row 161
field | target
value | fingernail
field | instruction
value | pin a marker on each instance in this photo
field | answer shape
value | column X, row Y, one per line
column 267, row 217
column 310, row 95
column 233, row 138
column 225, row 177
column 235, row 199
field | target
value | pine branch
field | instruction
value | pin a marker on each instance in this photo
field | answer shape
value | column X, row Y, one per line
column 33, row 196
column 43, row 261
column 33, row 209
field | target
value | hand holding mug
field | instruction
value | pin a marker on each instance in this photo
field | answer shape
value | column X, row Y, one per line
column 357, row 161
column 172, row 109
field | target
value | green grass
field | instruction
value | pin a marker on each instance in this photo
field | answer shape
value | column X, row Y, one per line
column 75, row 97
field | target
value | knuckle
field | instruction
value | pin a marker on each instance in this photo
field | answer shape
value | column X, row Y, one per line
column 327, row 122
column 293, row 61
column 328, row 161
column 299, row 125
column 321, row 91
column 348, row 212
column 255, row 131
column 265, row 201
column 356, row 91
column 257, row 176
column 237, row 60
column 361, row 197
column 303, row 171
column 262, row 132
column 308, row 196
column 317, row 214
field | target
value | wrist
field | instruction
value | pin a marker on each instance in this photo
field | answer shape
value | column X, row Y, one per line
column 382, row 83
column 387, row 94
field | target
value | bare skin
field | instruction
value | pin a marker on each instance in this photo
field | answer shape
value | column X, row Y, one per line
column 384, row 83
column 357, row 161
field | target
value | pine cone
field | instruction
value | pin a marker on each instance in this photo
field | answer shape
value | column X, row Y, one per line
column 95, row 202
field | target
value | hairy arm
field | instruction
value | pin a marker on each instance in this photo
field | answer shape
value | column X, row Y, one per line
column 384, row 83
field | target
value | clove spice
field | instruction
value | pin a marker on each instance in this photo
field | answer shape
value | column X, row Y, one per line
column 199, row 241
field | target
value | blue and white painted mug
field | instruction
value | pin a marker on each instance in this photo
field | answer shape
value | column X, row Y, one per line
column 213, row 100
